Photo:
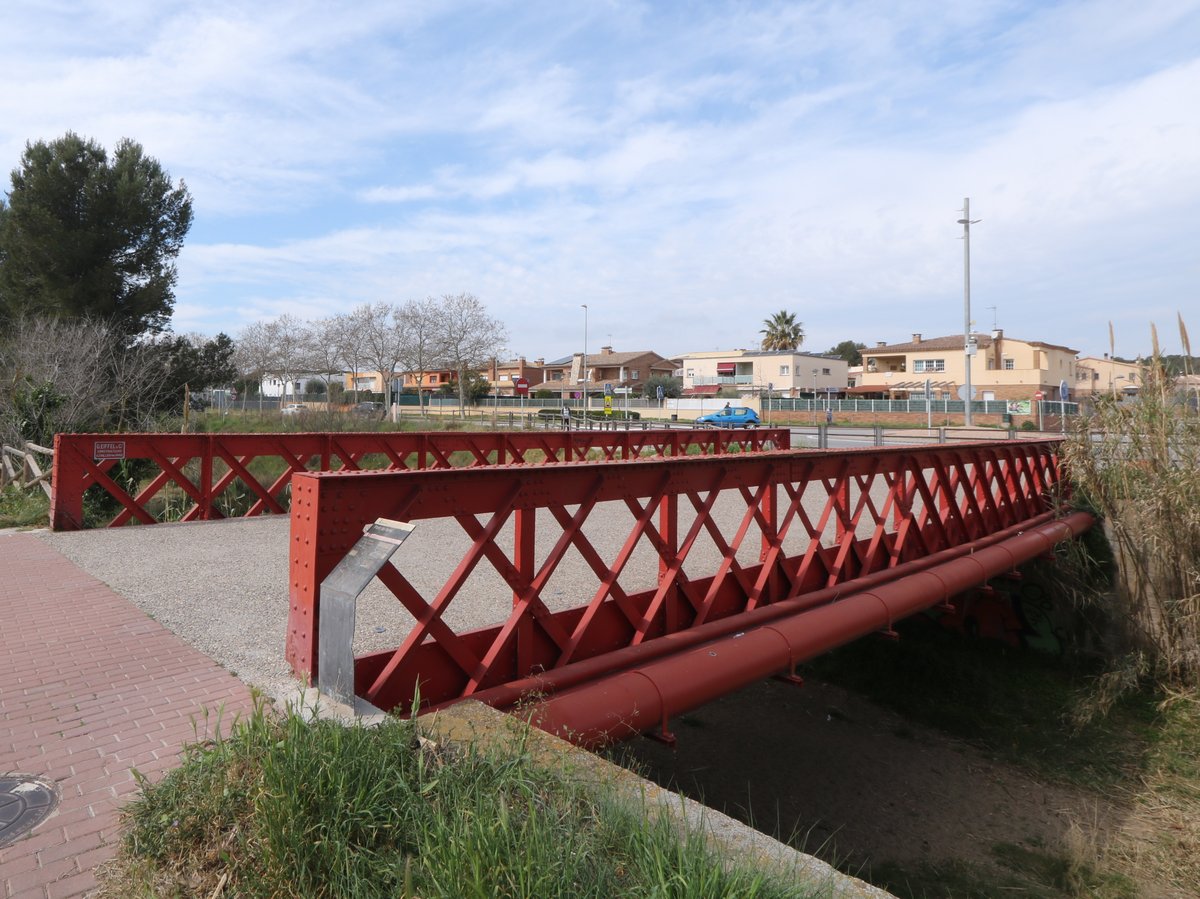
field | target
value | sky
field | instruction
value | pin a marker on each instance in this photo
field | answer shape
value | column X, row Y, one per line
column 685, row 169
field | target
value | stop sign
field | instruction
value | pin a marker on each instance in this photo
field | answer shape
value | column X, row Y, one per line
column 521, row 386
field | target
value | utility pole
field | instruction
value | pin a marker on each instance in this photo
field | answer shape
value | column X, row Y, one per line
column 968, row 350
column 587, row 406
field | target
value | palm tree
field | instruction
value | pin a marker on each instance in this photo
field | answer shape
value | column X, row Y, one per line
column 782, row 332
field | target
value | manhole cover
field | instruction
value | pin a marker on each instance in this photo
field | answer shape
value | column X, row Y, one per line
column 25, row 801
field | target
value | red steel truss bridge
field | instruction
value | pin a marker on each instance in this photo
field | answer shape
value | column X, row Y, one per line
column 196, row 477
column 624, row 594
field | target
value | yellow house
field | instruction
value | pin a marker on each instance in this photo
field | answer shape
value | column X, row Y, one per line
column 1002, row 368
column 1095, row 376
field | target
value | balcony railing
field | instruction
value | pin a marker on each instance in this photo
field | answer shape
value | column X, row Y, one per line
column 723, row 379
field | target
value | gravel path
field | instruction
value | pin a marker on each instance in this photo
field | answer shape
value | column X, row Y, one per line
column 222, row 585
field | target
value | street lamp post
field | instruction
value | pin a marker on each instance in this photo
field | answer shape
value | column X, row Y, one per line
column 966, row 221
column 583, row 370
column 814, row 399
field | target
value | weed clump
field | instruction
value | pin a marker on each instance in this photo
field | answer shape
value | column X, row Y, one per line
column 1137, row 464
column 290, row 807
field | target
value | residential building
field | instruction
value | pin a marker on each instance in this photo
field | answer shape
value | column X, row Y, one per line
column 503, row 375
column 785, row 372
column 1095, row 376
column 372, row 381
column 297, row 385
column 631, row 369
column 1002, row 368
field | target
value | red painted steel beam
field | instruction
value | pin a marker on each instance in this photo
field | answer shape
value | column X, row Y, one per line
column 558, row 680
column 82, row 460
column 618, row 706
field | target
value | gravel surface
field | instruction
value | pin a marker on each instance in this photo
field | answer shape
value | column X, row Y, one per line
column 222, row 585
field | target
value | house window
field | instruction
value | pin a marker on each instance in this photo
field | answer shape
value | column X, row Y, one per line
column 991, row 364
column 824, row 371
column 785, row 370
column 634, row 375
column 504, row 377
column 928, row 365
column 1010, row 365
column 433, row 379
column 691, row 373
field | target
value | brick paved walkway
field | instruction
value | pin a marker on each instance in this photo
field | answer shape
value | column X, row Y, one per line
column 89, row 688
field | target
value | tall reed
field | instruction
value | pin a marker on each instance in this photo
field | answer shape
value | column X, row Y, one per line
column 1136, row 462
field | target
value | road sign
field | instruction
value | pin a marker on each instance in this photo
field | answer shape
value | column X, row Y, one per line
column 928, row 389
column 520, row 386
column 608, row 389
column 962, row 393
column 608, row 405
column 1039, row 396
column 660, row 393
column 1063, row 391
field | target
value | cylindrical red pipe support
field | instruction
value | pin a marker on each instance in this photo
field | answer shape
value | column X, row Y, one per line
column 623, row 704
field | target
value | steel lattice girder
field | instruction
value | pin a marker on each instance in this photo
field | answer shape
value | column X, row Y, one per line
column 85, row 460
column 880, row 509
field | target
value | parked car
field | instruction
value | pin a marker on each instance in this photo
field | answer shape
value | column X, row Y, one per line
column 294, row 409
column 368, row 409
column 730, row 417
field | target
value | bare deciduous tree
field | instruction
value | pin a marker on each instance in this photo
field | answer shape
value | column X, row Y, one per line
column 285, row 336
column 73, row 376
column 384, row 333
column 254, row 356
column 348, row 335
column 424, row 349
column 324, row 351
column 471, row 337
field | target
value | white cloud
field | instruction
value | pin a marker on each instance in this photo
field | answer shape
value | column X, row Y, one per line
column 686, row 172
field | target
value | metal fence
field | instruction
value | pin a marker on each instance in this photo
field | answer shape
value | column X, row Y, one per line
column 982, row 407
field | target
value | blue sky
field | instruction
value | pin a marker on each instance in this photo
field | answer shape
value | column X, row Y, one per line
column 686, row 169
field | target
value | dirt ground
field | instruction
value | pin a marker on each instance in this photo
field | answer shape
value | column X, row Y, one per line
column 860, row 787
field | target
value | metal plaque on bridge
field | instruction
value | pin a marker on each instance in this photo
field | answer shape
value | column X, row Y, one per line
column 339, row 597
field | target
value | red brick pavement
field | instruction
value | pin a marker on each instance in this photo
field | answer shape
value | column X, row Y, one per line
column 89, row 688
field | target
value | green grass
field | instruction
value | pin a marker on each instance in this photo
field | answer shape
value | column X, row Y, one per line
column 1017, row 704
column 1027, row 871
column 1028, row 708
column 283, row 807
column 21, row 508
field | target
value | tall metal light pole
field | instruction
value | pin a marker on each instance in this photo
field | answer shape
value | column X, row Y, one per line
column 583, row 370
column 814, row 399
column 968, row 351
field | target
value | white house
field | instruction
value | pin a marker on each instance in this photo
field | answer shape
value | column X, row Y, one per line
column 752, row 372
column 275, row 387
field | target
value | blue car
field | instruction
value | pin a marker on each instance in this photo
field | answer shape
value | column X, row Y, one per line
column 730, row 417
